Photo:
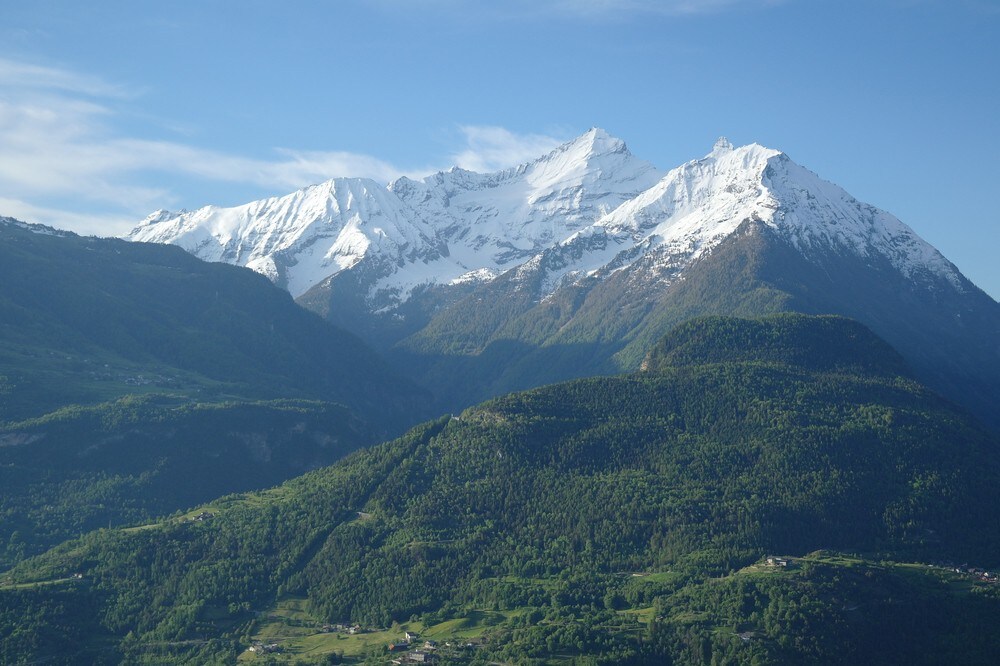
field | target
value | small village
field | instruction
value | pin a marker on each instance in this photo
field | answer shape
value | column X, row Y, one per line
column 976, row 573
column 964, row 570
column 400, row 645
column 413, row 655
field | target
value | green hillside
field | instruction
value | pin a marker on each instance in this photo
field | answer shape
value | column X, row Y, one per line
column 87, row 320
column 136, row 380
column 821, row 344
column 607, row 520
column 128, row 461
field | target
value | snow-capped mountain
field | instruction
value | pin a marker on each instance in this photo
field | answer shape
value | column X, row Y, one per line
column 299, row 239
column 454, row 225
column 590, row 201
column 576, row 262
column 697, row 205
column 501, row 219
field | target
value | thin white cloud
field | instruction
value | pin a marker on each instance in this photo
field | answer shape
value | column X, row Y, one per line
column 495, row 148
column 300, row 166
column 27, row 75
column 58, row 146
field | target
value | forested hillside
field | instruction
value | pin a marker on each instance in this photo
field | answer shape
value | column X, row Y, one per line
column 617, row 520
column 128, row 461
column 137, row 380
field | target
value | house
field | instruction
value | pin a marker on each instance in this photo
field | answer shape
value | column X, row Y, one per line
column 410, row 636
column 398, row 647
column 265, row 648
column 414, row 658
column 777, row 562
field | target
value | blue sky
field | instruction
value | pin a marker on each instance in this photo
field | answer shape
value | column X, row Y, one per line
column 109, row 110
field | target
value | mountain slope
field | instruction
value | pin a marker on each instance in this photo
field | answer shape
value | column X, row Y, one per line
column 129, row 461
column 741, row 232
column 88, row 319
column 335, row 251
column 498, row 220
column 592, row 519
column 136, row 380
column 949, row 336
column 819, row 344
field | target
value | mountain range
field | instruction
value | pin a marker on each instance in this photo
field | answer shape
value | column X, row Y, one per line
column 575, row 263
column 757, row 430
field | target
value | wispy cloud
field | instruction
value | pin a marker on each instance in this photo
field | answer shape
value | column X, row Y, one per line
column 300, row 167
column 54, row 145
column 495, row 148
column 14, row 74
column 59, row 142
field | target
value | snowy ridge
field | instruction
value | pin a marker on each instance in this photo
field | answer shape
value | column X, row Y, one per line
column 699, row 204
column 299, row 239
column 815, row 213
column 34, row 228
column 586, row 209
column 498, row 220
column 452, row 227
column 689, row 211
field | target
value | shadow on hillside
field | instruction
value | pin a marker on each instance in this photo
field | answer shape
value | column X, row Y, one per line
column 462, row 380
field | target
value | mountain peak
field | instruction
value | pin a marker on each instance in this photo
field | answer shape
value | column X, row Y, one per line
column 722, row 146
column 160, row 215
column 592, row 143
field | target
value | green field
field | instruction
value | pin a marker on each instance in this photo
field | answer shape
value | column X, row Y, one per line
column 301, row 637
